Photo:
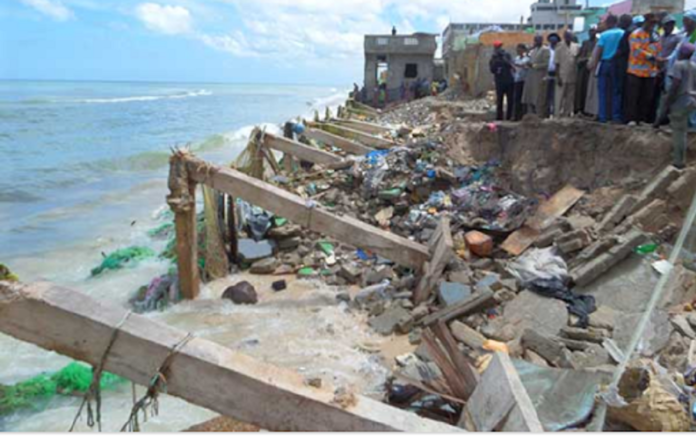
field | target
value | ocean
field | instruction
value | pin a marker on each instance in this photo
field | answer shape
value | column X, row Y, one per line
column 85, row 174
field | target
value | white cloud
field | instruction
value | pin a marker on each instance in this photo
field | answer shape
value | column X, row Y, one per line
column 170, row 20
column 52, row 8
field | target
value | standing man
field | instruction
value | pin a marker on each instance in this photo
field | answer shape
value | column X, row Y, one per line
column 609, row 85
column 628, row 24
column 681, row 101
column 535, row 88
column 522, row 65
column 549, row 108
column 642, row 73
column 584, row 72
column 669, row 42
column 567, row 74
column 502, row 69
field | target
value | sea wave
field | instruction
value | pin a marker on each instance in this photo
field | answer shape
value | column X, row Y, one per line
column 191, row 94
column 332, row 102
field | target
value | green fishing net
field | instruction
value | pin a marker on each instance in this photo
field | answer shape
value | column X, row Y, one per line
column 6, row 274
column 124, row 257
column 72, row 380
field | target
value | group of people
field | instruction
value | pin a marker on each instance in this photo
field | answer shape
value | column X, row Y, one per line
column 631, row 70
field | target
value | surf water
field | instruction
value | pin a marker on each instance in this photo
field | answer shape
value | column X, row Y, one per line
column 85, row 167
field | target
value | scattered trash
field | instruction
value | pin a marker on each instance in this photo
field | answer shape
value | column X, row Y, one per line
column 280, row 285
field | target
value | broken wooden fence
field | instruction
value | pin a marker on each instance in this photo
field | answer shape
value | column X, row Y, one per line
column 199, row 371
column 346, row 132
column 186, row 171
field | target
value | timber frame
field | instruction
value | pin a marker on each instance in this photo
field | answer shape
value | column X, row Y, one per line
column 186, row 171
column 200, row 371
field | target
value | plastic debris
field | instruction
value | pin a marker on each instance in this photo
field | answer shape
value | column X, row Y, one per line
column 124, row 257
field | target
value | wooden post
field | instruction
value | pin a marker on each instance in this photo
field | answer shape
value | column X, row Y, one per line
column 200, row 371
column 182, row 201
column 232, row 228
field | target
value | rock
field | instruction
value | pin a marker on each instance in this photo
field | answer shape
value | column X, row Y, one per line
column 285, row 232
column 594, row 356
column 284, row 270
column 467, row 336
column 603, row 318
column 657, row 336
column 394, row 319
column 378, row 275
column 504, row 296
column 491, row 281
column 280, row 285
column 681, row 324
column 657, row 188
column 350, row 272
column 343, row 297
column 289, row 244
column 241, row 293
column 535, row 359
column 675, row 356
column 251, row 251
column 453, row 293
column 531, row 311
column 587, row 335
column 498, row 330
column 511, row 284
column 682, row 190
column 691, row 318
column 548, row 348
column 479, row 243
column 483, row 264
column 415, row 337
column 292, row 259
column 264, row 267
column 463, row 277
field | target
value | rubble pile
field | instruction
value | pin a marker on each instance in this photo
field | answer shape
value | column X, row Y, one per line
column 537, row 274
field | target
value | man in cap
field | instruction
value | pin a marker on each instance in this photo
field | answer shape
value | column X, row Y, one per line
column 670, row 42
column 502, row 69
column 535, row 88
column 566, row 75
column 643, row 69
column 609, row 85
column 681, row 101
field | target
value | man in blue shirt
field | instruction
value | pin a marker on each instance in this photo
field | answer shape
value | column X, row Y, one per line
column 608, row 80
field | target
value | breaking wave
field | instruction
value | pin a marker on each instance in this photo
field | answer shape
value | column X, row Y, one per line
column 192, row 94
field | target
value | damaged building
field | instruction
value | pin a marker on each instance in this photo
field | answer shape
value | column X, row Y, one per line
column 394, row 61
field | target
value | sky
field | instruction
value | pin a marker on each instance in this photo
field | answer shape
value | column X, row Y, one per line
column 240, row 41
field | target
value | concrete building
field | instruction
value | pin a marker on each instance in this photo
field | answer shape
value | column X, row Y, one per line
column 396, row 60
column 554, row 14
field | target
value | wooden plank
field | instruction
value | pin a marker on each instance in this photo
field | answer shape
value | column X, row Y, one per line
column 362, row 107
column 338, row 142
column 442, row 251
column 501, row 402
column 301, row 151
column 455, row 381
column 309, row 215
column 182, row 201
column 201, row 372
column 477, row 302
column 548, row 212
column 363, row 126
column 346, row 132
column 464, row 366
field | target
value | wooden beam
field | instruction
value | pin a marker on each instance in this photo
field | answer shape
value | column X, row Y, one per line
column 346, row 132
column 301, row 151
column 201, row 372
column 309, row 215
column 441, row 248
column 338, row 142
column 363, row 126
column 501, row 402
column 182, row 201
column 362, row 107
column 481, row 300
column 555, row 208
